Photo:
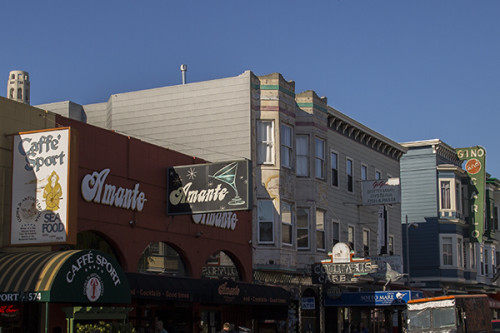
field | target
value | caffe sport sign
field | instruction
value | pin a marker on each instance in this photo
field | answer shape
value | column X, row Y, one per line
column 78, row 276
column 40, row 187
column 475, row 166
column 206, row 188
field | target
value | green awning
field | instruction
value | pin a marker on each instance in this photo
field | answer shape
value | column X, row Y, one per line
column 78, row 276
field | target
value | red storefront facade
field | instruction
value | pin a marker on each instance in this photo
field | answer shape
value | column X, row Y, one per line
column 184, row 287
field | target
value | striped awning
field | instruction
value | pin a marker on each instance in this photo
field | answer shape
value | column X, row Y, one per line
column 78, row 276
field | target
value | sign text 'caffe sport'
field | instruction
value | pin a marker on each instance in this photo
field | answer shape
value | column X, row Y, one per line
column 213, row 187
column 40, row 187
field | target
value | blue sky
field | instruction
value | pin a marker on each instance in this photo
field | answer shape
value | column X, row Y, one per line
column 411, row 70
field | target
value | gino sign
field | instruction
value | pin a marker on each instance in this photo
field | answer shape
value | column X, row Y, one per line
column 475, row 165
column 40, row 187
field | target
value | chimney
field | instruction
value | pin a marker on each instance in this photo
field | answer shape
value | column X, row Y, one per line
column 184, row 69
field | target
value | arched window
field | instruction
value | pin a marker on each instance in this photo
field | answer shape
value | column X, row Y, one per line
column 11, row 95
column 88, row 240
column 19, row 93
column 161, row 258
column 220, row 266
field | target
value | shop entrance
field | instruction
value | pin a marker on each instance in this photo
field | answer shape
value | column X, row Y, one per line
column 210, row 321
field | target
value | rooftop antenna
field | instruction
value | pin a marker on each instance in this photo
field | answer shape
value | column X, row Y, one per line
column 184, row 69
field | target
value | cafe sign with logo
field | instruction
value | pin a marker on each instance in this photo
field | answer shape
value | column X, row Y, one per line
column 341, row 267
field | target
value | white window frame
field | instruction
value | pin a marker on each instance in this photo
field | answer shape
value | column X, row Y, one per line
column 334, row 169
column 320, row 230
column 390, row 245
column 319, row 157
column 286, row 224
column 265, row 142
column 454, row 190
column 300, row 156
column 456, row 259
column 349, row 174
column 335, row 225
column 286, row 146
column 365, row 175
column 351, row 237
column 366, row 242
column 262, row 206
column 446, row 240
column 302, row 228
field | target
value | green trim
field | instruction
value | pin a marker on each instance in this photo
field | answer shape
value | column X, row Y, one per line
column 312, row 105
column 274, row 87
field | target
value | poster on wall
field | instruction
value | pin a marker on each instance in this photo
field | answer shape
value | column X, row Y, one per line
column 40, row 187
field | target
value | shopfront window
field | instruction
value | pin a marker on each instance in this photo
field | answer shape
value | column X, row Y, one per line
column 88, row 240
column 220, row 266
column 161, row 258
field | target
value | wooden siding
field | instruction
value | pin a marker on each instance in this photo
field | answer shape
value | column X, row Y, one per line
column 419, row 194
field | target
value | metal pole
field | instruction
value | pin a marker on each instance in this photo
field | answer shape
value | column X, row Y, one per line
column 407, row 251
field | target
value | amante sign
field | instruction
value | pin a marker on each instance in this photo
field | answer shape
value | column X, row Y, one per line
column 205, row 188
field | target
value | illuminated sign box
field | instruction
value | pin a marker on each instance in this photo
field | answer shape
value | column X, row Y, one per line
column 205, row 188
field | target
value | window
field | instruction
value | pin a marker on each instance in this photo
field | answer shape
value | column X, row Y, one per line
column 472, row 256
column 302, row 155
column 378, row 175
column 364, row 172
column 335, row 233
column 486, row 262
column 350, row 180
column 286, row 223
column 302, row 228
column 350, row 237
column 447, row 251
column 286, row 146
column 266, row 221
column 458, row 197
column 445, row 195
column 19, row 93
column 495, row 218
column 265, row 142
column 320, row 230
column 460, row 252
column 391, row 245
column 335, row 168
column 366, row 242
column 481, row 258
column 319, row 158
column 11, row 94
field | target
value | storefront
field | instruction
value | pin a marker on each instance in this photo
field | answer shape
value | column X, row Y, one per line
column 109, row 192
column 203, row 305
column 53, row 291
column 375, row 310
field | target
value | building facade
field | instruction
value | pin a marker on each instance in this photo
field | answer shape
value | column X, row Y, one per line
column 450, row 219
column 308, row 160
column 193, row 273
